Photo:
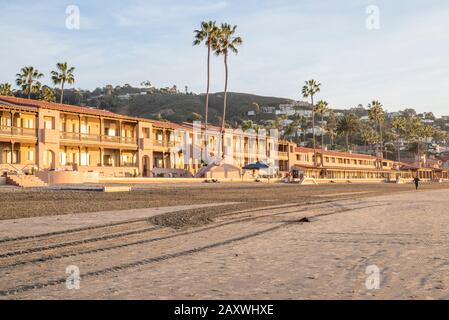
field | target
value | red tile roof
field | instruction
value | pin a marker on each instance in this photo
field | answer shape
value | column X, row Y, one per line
column 60, row 107
column 34, row 105
column 336, row 153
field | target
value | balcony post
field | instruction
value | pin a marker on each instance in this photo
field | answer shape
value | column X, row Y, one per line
column 120, row 131
column 101, row 130
column 12, row 123
column 12, row 152
column 101, row 156
column 79, row 127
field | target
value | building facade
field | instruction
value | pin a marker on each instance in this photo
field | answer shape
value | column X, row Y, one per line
column 37, row 136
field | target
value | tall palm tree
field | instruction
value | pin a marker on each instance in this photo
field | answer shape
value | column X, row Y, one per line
column 310, row 89
column 63, row 75
column 208, row 34
column 6, row 89
column 377, row 115
column 227, row 43
column 321, row 108
column 398, row 125
column 331, row 127
column 27, row 80
column 347, row 125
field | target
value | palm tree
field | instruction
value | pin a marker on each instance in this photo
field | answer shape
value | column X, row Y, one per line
column 321, row 108
column 62, row 76
column 47, row 94
column 27, row 79
column 78, row 95
column 368, row 135
column 348, row 125
column 377, row 115
column 6, row 89
column 310, row 89
column 227, row 43
column 398, row 125
column 208, row 34
column 331, row 127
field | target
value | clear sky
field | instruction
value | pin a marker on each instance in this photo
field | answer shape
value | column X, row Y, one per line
column 404, row 63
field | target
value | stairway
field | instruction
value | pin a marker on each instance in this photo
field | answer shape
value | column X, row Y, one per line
column 25, row 181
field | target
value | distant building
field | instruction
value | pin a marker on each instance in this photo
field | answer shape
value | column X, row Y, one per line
column 268, row 110
column 251, row 113
column 364, row 118
column 304, row 113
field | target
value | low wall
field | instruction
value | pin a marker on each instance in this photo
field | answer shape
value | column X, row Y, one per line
column 2, row 181
column 68, row 177
column 310, row 181
column 106, row 180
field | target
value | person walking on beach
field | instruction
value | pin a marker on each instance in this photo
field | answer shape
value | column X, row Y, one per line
column 416, row 181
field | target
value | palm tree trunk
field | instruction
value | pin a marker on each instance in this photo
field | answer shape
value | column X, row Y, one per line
column 30, row 83
column 381, row 140
column 322, row 139
column 313, row 133
column 399, row 149
column 206, row 116
column 223, row 120
column 62, row 92
column 347, row 141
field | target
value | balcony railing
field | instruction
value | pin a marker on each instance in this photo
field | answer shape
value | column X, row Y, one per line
column 90, row 137
column 69, row 136
column 96, row 138
column 16, row 131
column 164, row 144
column 129, row 140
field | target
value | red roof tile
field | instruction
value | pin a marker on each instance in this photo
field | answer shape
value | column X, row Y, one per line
column 62, row 107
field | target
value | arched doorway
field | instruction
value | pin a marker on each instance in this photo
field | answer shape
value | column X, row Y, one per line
column 49, row 159
column 146, row 166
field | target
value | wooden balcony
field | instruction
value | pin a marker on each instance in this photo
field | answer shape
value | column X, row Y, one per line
column 163, row 144
column 18, row 133
column 98, row 139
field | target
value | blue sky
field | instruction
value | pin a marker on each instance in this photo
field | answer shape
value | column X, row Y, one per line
column 404, row 63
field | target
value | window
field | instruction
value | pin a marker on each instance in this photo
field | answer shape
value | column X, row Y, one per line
column 85, row 129
column 85, row 158
column 49, row 123
column 109, row 132
column 63, row 158
column 146, row 133
column 10, row 157
column 30, row 155
column 29, row 123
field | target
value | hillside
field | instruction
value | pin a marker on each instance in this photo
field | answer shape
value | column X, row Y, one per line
column 185, row 107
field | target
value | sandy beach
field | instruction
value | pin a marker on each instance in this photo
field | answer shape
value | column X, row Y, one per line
column 322, row 249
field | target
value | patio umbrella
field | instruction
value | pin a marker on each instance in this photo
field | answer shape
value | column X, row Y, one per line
column 256, row 166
